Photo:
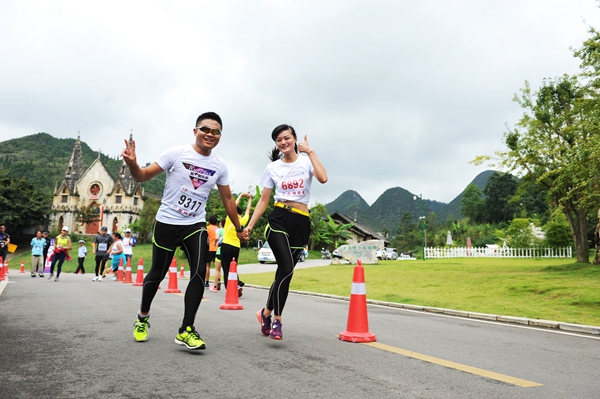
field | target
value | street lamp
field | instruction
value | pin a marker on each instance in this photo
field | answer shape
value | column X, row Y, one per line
column 421, row 222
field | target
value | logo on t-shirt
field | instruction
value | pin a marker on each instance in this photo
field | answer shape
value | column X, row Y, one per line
column 198, row 175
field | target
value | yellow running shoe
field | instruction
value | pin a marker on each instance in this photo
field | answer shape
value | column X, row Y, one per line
column 140, row 331
column 190, row 338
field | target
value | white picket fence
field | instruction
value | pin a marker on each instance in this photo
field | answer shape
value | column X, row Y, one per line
column 501, row 252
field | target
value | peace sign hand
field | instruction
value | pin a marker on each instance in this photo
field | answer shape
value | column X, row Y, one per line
column 128, row 153
column 304, row 146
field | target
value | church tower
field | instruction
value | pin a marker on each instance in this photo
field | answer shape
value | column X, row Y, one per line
column 75, row 168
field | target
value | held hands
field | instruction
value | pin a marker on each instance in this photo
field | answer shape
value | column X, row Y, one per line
column 304, row 146
column 243, row 236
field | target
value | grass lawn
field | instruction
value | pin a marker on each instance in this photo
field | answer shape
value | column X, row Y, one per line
column 551, row 289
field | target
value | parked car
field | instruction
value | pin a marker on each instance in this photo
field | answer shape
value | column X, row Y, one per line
column 381, row 254
column 392, row 253
column 265, row 254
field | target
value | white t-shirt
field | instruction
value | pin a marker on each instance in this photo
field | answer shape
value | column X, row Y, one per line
column 127, row 248
column 292, row 181
column 190, row 177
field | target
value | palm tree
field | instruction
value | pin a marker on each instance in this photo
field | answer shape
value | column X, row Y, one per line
column 338, row 233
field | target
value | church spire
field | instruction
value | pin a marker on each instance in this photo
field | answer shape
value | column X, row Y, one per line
column 128, row 183
column 75, row 168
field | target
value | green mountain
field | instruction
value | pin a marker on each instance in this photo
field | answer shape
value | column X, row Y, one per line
column 43, row 159
column 386, row 212
column 349, row 203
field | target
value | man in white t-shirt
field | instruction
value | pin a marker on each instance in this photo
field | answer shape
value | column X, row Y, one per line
column 192, row 172
column 129, row 242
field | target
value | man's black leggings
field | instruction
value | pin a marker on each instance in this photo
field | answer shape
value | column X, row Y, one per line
column 195, row 247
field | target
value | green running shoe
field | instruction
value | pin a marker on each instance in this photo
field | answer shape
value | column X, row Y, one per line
column 140, row 331
column 190, row 338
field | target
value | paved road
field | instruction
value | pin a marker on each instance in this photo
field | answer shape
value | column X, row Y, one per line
column 73, row 339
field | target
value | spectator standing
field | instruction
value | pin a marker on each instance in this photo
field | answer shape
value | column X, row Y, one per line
column 81, row 253
column 116, row 251
column 102, row 245
column 62, row 244
column 45, row 236
column 37, row 254
column 4, row 241
column 129, row 242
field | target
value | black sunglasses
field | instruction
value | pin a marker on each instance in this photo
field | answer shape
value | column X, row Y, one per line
column 206, row 129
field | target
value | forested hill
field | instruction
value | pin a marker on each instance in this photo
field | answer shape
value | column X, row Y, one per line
column 386, row 212
column 43, row 160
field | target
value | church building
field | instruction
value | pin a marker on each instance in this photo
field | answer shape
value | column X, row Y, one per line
column 117, row 201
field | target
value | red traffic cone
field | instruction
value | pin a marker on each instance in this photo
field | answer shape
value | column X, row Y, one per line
column 172, row 289
column 120, row 273
column 181, row 272
column 22, row 270
column 357, row 329
column 231, row 298
column 2, row 277
column 139, row 277
column 128, row 279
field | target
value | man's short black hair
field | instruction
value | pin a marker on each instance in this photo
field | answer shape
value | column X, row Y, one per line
column 210, row 115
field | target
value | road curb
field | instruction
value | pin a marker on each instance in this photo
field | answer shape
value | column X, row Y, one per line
column 537, row 323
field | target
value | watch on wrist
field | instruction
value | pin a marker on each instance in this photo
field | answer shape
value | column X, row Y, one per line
column 239, row 229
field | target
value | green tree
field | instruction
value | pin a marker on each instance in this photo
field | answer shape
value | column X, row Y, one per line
column 558, row 235
column 22, row 205
column 86, row 214
column 318, row 230
column 472, row 203
column 519, row 233
column 556, row 144
column 499, row 190
column 338, row 233
column 143, row 225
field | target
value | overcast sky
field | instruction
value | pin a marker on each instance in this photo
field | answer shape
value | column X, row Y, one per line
column 389, row 93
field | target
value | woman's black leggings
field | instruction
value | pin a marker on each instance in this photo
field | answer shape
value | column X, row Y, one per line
column 286, row 261
column 195, row 247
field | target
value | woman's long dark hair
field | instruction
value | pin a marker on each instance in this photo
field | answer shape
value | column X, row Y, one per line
column 275, row 153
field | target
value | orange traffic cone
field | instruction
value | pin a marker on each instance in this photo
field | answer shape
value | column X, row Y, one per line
column 231, row 298
column 2, row 277
column 22, row 270
column 172, row 289
column 357, row 329
column 128, row 279
column 120, row 271
column 139, row 277
column 5, row 267
column 181, row 272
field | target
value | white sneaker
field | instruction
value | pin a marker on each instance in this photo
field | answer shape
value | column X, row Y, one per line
column 100, row 279
column 95, row 279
